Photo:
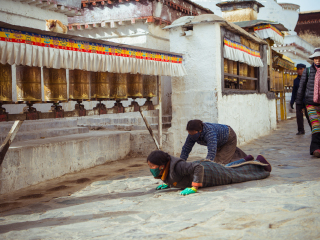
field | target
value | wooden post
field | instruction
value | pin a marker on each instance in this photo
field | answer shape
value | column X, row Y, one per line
column 9, row 139
column 160, row 112
column 149, row 128
column 281, row 105
column 222, row 58
column 276, row 94
column 284, row 97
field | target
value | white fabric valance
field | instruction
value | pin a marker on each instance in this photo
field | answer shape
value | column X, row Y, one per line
column 29, row 49
column 29, row 55
column 268, row 31
column 238, row 52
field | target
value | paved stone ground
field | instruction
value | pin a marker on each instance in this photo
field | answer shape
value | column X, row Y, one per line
column 284, row 206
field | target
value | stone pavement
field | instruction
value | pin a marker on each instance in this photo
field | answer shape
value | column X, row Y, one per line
column 126, row 205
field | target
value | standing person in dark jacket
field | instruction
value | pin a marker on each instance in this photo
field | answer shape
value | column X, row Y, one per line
column 309, row 89
column 299, row 107
column 220, row 139
column 177, row 173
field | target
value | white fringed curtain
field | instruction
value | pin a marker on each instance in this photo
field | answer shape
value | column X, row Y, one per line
column 268, row 31
column 22, row 53
column 238, row 52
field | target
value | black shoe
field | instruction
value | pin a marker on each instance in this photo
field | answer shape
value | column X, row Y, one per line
column 300, row 133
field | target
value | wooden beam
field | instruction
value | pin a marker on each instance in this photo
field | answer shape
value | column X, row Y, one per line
column 9, row 139
column 222, row 30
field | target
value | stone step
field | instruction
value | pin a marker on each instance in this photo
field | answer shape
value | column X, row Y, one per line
column 30, row 162
column 34, row 125
column 112, row 121
column 103, row 121
column 125, row 127
column 46, row 133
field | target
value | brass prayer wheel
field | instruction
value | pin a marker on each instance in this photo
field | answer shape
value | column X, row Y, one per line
column 245, row 70
column 251, row 72
column 55, row 84
column 235, row 68
column 118, row 86
column 150, row 86
column 100, row 85
column 5, row 82
column 241, row 67
column 232, row 69
column 225, row 65
column 135, row 86
column 79, row 84
column 29, row 83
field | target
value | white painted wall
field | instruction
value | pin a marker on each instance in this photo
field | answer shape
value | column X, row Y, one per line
column 23, row 14
column 271, row 11
column 194, row 96
column 250, row 116
column 299, row 41
column 290, row 17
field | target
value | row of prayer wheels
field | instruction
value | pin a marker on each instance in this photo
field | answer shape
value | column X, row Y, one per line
column 244, row 70
column 289, row 78
column 282, row 79
column 83, row 85
column 277, row 81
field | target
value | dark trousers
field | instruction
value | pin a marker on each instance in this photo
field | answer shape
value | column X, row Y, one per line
column 299, row 114
column 315, row 142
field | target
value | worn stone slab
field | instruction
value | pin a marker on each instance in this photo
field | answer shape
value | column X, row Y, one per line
column 129, row 207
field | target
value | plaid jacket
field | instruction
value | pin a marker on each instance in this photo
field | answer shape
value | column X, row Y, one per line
column 184, row 174
column 213, row 135
column 216, row 174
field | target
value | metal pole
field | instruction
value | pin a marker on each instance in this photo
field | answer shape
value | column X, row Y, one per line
column 149, row 128
column 160, row 112
column 9, row 139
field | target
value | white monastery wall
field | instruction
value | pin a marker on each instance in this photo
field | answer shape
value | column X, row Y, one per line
column 194, row 96
column 272, row 11
column 22, row 14
column 250, row 116
column 299, row 41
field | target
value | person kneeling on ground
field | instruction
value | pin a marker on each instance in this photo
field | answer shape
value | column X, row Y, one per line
column 220, row 140
column 176, row 172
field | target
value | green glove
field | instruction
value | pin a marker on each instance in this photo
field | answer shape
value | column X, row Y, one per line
column 162, row 186
column 188, row 191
